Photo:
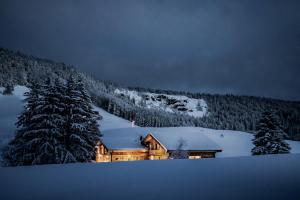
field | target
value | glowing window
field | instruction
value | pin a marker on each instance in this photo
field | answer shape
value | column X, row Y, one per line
column 194, row 157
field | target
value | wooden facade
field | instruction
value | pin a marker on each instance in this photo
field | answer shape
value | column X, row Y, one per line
column 153, row 150
column 196, row 154
column 103, row 154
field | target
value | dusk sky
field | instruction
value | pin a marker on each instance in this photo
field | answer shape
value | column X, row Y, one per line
column 249, row 47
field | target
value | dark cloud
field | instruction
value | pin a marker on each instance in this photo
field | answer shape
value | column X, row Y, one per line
column 240, row 46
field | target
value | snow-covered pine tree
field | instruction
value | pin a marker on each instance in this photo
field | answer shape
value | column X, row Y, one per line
column 81, row 127
column 269, row 137
column 39, row 137
column 19, row 151
column 8, row 90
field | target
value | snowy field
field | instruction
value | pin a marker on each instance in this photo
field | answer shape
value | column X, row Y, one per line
column 259, row 177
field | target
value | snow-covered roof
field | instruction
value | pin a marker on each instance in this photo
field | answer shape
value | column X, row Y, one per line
column 129, row 138
column 123, row 138
column 187, row 140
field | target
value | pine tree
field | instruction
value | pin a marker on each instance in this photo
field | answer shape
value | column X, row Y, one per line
column 38, row 139
column 58, row 125
column 20, row 151
column 269, row 137
column 82, row 127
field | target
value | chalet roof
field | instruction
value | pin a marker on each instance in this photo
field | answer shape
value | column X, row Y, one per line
column 187, row 139
column 170, row 138
column 123, row 138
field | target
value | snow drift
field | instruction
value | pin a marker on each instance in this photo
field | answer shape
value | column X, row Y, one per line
column 259, row 177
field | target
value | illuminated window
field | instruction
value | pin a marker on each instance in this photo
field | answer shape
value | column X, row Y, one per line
column 194, row 157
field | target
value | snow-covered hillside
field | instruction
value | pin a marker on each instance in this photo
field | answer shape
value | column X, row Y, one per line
column 259, row 178
column 233, row 143
column 10, row 108
column 110, row 121
column 169, row 103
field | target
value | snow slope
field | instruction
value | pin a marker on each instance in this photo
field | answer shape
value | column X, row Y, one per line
column 246, row 178
column 169, row 103
column 110, row 121
column 10, row 107
column 233, row 143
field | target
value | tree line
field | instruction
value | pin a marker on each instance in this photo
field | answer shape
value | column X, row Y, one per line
column 231, row 112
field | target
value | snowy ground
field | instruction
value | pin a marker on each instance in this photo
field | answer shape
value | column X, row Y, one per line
column 259, row 177
column 10, row 108
column 110, row 121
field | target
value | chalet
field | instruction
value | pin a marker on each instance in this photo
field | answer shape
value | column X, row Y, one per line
column 129, row 144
